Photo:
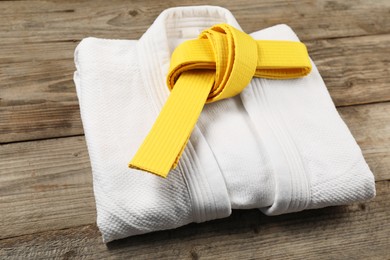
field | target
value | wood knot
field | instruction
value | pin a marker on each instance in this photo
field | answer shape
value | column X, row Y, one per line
column 133, row 13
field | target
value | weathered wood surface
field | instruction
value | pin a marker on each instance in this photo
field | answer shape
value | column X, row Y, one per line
column 355, row 69
column 47, row 208
column 37, row 95
column 45, row 185
column 358, row 231
column 48, row 21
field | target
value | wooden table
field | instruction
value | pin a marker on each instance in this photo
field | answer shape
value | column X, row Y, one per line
column 46, row 200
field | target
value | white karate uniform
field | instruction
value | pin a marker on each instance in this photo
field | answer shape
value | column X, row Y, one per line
column 279, row 146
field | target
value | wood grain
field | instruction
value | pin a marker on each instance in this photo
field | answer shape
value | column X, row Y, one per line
column 51, row 21
column 45, row 185
column 370, row 125
column 358, row 231
column 38, row 98
column 356, row 70
column 49, row 183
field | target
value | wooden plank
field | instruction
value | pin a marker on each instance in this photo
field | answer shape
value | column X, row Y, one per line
column 38, row 98
column 48, row 183
column 43, row 21
column 370, row 125
column 358, row 231
column 356, row 70
column 37, row 93
column 45, row 185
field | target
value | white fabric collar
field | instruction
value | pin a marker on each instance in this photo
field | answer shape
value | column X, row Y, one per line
column 171, row 27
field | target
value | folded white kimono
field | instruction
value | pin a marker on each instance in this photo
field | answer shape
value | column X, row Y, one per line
column 279, row 146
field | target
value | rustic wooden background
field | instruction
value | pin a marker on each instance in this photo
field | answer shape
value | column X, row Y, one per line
column 46, row 201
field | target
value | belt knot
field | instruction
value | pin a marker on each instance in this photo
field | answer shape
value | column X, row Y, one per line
column 217, row 65
column 231, row 53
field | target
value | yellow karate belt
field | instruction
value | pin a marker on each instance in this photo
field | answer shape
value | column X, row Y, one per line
column 217, row 65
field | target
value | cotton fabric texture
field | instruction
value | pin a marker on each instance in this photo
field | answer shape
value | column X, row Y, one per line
column 279, row 146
